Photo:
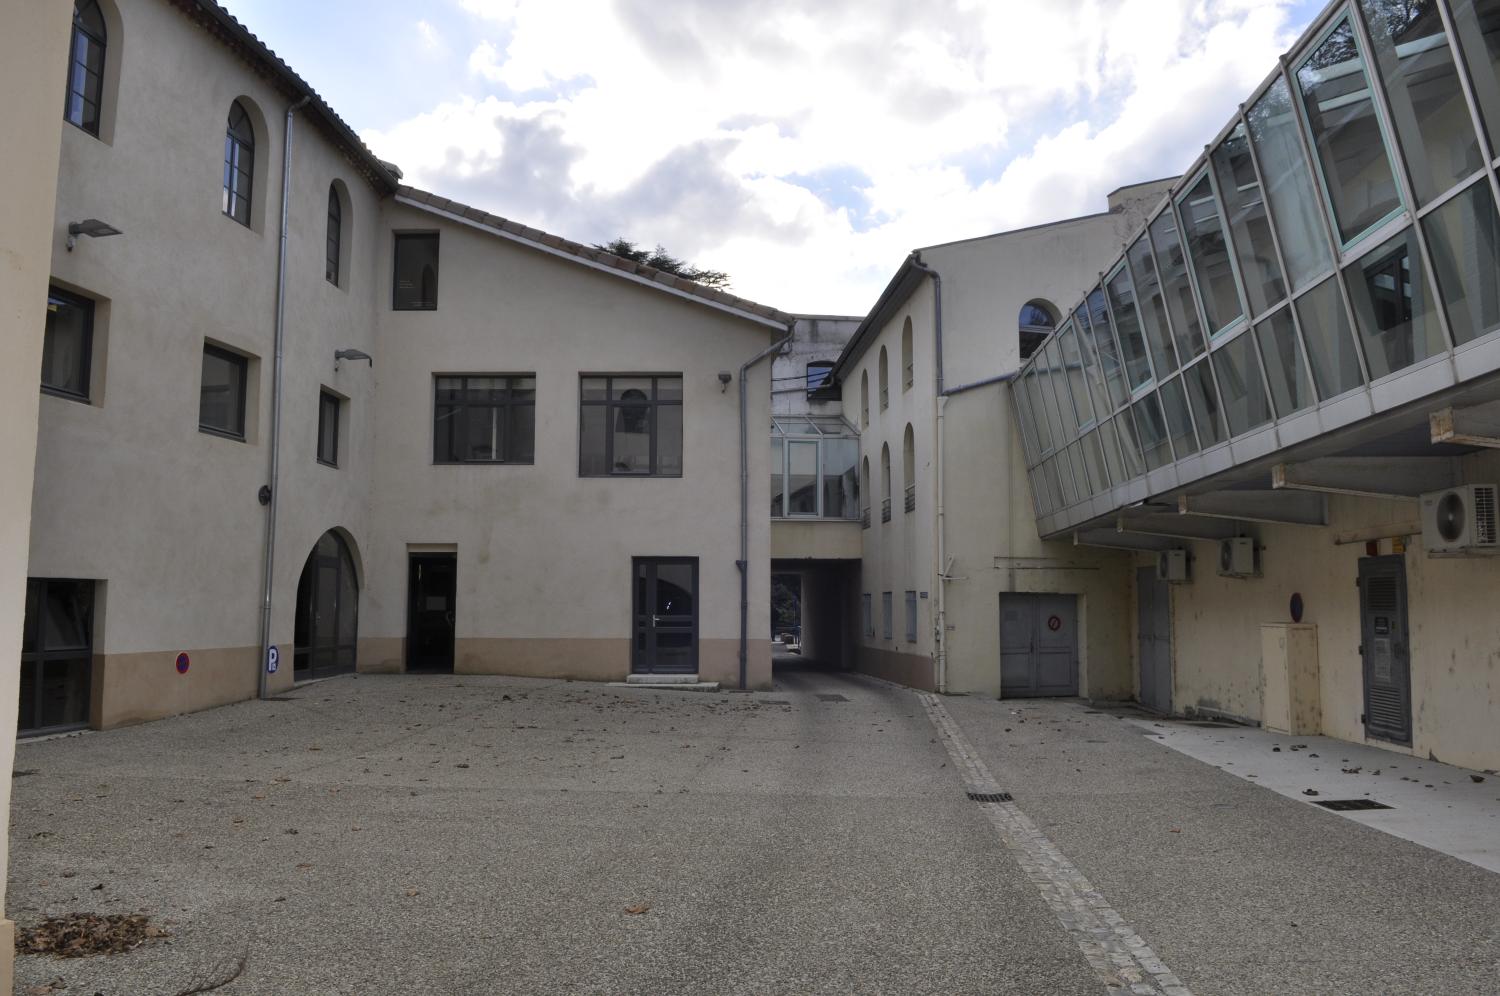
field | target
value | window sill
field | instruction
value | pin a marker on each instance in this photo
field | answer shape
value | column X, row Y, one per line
column 57, row 392
column 630, row 477
column 326, row 463
column 209, row 430
column 484, row 463
column 397, row 307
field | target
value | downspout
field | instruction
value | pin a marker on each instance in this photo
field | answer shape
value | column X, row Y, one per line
column 744, row 562
column 940, row 641
column 271, row 492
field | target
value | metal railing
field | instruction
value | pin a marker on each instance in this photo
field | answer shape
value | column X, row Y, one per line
column 885, row 510
column 911, row 497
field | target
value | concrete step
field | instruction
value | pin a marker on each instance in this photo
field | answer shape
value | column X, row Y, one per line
column 669, row 686
column 661, row 679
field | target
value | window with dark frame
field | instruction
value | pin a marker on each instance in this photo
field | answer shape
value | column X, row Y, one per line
column 819, row 374
column 56, row 655
column 335, row 235
column 86, row 67
column 414, row 281
column 630, row 426
column 221, row 401
column 239, row 164
column 67, row 345
column 484, row 418
column 329, row 411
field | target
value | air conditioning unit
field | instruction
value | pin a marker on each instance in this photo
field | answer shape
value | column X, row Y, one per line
column 1174, row 566
column 1461, row 520
column 1238, row 558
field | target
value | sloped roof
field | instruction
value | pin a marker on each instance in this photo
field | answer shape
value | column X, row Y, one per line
column 588, row 255
column 242, row 41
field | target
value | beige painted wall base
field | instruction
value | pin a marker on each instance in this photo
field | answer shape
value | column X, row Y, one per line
column 912, row 670
column 601, row 659
column 137, row 688
column 7, row 957
column 381, row 655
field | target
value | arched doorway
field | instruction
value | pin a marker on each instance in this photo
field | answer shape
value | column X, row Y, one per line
column 327, row 627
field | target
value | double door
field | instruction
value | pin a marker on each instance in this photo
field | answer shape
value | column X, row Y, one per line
column 665, row 604
column 1038, row 645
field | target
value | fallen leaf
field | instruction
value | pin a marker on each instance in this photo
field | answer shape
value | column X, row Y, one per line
column 637, row 909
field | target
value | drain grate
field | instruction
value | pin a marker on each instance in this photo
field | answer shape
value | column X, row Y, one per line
column 832, row 697
column 1348, row 805
column 991, row 796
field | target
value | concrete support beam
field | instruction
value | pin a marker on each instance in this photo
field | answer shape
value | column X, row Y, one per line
column 1298, row 508
column 1478, row 426
column 1390, row 530
column 1111, row 539
column 1368, row 477
column 1179, row 526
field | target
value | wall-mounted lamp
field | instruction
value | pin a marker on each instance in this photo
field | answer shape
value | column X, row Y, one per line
column 92, row 227
column 724, row 378
column 352, row 354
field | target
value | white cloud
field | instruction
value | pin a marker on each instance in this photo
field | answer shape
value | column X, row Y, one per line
column 429, row 35
column 703, row 126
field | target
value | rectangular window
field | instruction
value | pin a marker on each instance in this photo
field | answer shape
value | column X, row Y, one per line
column 67, row 344
column 802, row 477
column 778, row 476
column 1393, row 306
column 484, row 418
column 819, row 374
column 1203, row 230
column 630, row 426
column 840, row 468
column 56, row 655
column 221, row 399
column 414, row 282
column 328, row 429
column 1346, row 134
column 1329, row 340
column 869, row 615
column 911, row 617
column 1245, row 213
column 1464, row 236
column 1289, row 187
column 886, row 622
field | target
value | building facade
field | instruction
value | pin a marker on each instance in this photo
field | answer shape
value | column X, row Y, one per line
column 1282, row 394
column 477, row 447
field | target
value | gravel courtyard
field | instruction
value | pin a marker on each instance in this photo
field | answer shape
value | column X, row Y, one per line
column 423, row 834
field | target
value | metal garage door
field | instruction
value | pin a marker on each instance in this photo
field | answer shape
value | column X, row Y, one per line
column 1038, row 645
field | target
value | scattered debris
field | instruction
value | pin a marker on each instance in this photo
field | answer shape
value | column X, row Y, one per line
column 1309, row 791
column 81, row 935
column 57, row 985
column 217, row 977
column 1352, row 771
column 637, row 909
column 1476, row 778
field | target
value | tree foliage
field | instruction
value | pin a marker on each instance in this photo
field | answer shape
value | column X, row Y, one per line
column 662, row 260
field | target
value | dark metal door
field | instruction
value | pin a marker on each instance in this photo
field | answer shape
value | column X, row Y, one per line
column 57, row 652
column 432, row 587
column 1154, row 626
column 1385, row 648
column 665, row 603
column 1038, row 645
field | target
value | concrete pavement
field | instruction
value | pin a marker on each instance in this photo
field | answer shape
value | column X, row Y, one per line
column 427, row 834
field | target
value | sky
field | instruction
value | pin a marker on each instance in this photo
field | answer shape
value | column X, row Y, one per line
column 803, row 148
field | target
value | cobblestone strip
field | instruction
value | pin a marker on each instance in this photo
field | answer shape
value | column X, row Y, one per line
column 1122, row 961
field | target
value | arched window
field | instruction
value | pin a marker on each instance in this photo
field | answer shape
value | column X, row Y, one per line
column 86, row 67
column 885, row 380
column 909, row 467
column 885, row 482
column 335, row 235
column 908, row 372
column 239, row 164
column 1038, row 318
column 864, row 398
column 327, row 623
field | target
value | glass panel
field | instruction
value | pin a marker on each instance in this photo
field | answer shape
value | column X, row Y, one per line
column 1041, row 421
column 1464, row 238
column 1179, row 424
column 841, row 478
column 1026, row 420
column 592, row 455
column 1153, row 431
column 1080, row 475
column 1128, row 325
column 66, row 344
column 33, row 606
column 1073, row 368
column 1289, row 186
column 594, row 388
column 802, row 477
column 221, row 402
column 1212, row 270
column 1153, row 309
column 414, row 285
column 778, row 468
column 1130, row 445
column 1393, row 306
column 1204, row 399
column 1346, row 134
column 65, row 692
column 485, row 428
column 1329, row 340
column 1478, row 25
column 328, row 429
column 1093, row 373
column 26, row 716
column 1245, row 213
column 1093, row 456
column 1240, row 385
column 1109, row 441
column 1105, row 378
column 668, row 440
column 521, row 444
column 1427, row 103
column 630, row 389
column 1104, row 341
column 1054, row 484
column 67, row 615
column 1171, row 266
column 1291, row 390
column 674, row 589
column 1053, row 358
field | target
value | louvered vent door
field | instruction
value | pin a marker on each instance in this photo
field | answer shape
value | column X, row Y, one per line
column 1386, row 648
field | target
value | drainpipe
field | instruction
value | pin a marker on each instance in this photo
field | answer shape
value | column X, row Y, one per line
column 940, row 643
column 270, row 493
column 744, row 562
